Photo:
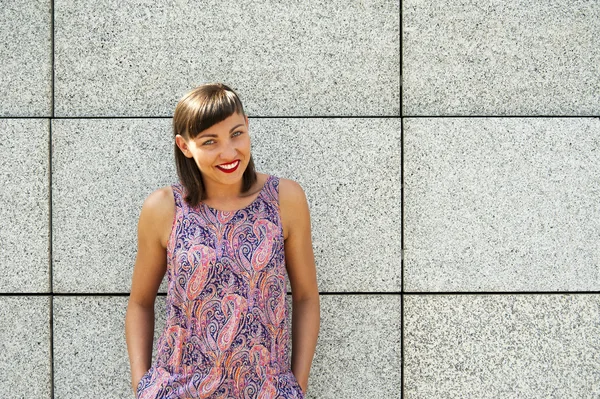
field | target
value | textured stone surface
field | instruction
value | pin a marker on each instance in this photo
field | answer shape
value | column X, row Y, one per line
column 25, row 347
column 26, row 54
column 501, row 204
column 90, row 350
column 501, row 346
column 24, row 205
column 358, row 352
column 350, row 172
column 101, row 179
column 467, row 57
column 103, row 169
column 124, row 58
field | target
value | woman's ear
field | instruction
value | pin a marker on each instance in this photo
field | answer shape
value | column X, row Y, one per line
column 182, row 144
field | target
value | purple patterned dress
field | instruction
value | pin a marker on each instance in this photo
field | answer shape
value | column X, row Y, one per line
column 225, row 333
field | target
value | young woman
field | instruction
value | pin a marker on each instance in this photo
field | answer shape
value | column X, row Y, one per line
column 226, row 236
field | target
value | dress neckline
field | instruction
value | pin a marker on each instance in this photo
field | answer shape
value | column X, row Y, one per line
column 222, row 212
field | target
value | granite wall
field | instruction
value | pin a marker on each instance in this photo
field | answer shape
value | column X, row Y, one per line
column 455, row 217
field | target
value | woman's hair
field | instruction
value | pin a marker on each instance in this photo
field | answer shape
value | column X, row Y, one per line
column 199, row 109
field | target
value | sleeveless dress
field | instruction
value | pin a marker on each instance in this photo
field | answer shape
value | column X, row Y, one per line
column 225, row 334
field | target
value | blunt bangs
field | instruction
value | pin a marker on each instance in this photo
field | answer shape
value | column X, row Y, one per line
column 209, row 108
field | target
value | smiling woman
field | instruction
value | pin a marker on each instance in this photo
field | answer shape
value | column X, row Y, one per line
column 226, row 237
column 210, row 128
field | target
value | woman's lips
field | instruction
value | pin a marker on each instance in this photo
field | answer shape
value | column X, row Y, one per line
column 237, row 163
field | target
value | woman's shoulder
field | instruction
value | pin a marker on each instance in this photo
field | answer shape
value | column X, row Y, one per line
column 293, row 206
column 160, row 199
column 158, row 211
column 290, row 190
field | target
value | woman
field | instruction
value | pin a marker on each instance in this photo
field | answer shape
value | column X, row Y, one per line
column 226, row 236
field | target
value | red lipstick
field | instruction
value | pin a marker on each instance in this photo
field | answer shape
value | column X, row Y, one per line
column 237, row 163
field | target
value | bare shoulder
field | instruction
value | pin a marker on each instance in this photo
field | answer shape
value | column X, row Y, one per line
column 299, row 256
column 158, row 211
column 293, row 204
column 151, row 262
column 289, row 187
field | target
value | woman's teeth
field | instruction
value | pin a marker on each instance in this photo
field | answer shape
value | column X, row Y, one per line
column 229, row 166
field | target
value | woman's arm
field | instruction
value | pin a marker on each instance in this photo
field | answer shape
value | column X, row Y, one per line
column 300, row 264
column 149, row 270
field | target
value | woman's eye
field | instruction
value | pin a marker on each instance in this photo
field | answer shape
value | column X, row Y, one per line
column 212, row 141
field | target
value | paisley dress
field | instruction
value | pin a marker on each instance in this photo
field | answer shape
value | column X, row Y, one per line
column 225, row 334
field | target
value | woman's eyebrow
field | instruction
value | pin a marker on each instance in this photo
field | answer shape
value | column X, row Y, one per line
column 235, row 127
column 207, row 135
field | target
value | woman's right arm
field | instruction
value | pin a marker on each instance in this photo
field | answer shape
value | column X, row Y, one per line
column 148, row 272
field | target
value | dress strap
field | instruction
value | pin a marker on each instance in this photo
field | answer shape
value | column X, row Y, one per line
column 177, row 193
column 271, row 190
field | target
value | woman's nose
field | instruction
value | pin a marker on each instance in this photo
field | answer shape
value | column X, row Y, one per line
column 228, row 153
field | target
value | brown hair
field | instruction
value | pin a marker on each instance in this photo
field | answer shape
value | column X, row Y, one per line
column 198, row 110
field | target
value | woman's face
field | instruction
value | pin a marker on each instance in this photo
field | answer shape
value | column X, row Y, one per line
column 226, row 143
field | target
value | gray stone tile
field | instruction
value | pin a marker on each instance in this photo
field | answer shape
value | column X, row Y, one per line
column 500, row 58
column 371, row 342
column 103, row 169
column 358, row 351
column 350, row 172
column 26, row 54
column 501, row 346
column 25, row 347
column 90, row 350
column 501, row 204
column 24, row 205
column 125, row 58
column 98, row 192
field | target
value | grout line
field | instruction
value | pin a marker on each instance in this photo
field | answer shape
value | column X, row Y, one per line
column 319, row 116
column 401, row 346
column 249, row 116
column 341, row 293
column 51, row 346
column 402, row 206
column 416, row 293
column 50, row 270
column 500, row 116
column 401, row 219
column 50, row 153
column 400, row 50
column 52, row 55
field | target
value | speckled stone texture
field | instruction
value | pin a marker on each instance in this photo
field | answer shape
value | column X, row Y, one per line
column 90, row 350
column 350, row 172
column 102, row 170
column 24, row 206
column 358, row 353
column 123, row 58
column 501, row 204
column 26, row 58
column 25, row 347
column 501, row 346
column 468, row 57
column 101, row 179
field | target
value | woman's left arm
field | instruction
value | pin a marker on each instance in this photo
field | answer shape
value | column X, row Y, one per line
column 301, row 269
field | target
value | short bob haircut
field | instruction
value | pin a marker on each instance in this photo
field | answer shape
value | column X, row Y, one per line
column 199, row 109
